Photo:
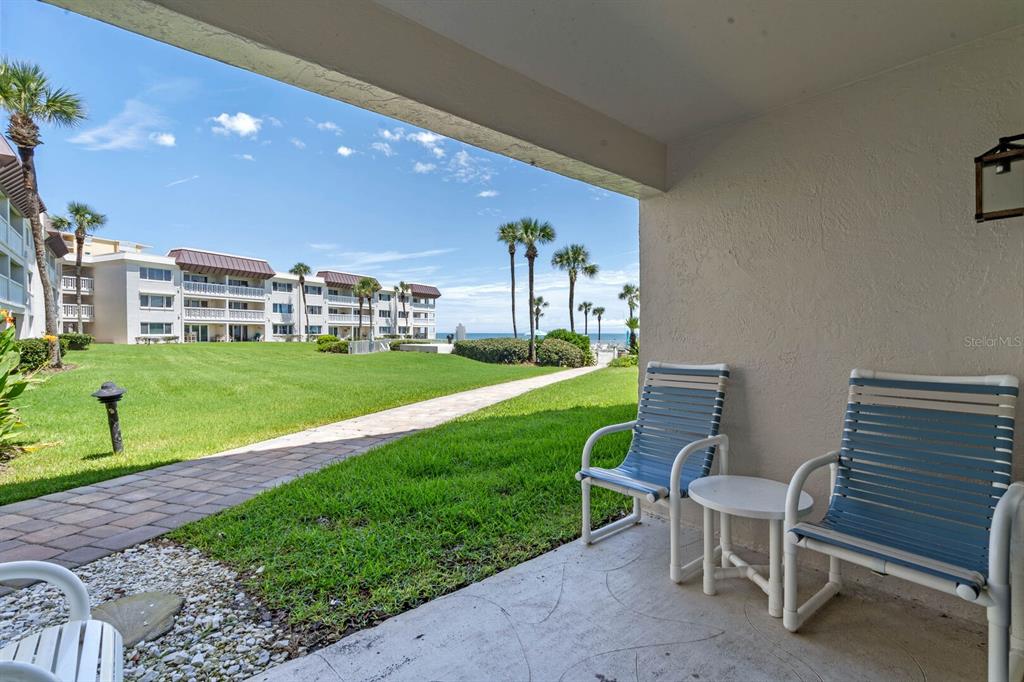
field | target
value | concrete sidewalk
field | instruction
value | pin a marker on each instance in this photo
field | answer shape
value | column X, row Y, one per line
column 610, row 612
column 83, row 524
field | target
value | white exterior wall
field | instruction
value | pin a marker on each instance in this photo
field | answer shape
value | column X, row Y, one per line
column 833, row 234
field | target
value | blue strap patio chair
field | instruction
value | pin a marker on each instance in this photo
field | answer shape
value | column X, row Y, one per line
column 921, row 490
column 675, row 438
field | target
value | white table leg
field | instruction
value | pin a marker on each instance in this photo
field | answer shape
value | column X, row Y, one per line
column 709, row 551
column 725, row 538
column 775, row 569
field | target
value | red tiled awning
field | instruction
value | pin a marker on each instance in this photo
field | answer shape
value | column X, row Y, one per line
column 55, row 243
column 340, row 279
column 207, row 262
column 425, row 291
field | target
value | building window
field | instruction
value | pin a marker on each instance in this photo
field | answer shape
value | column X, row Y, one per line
column 313, row 329
column 191, row 277
column 155, row 274
column 283, row 308
column 314, row 310
column 156, row 328
column 383, row 330
column 313, row 290
column 403, row 314
column 286, row 287
column 284, row 329
column 196, row 303
column 151, row 301
column 238, row 282
column 384, row 297
column 383, row 313
column 403, row 330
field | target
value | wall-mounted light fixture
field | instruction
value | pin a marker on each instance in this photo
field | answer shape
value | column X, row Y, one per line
column 999, row 180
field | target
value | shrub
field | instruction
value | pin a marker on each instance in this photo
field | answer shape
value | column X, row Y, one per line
column 558, row 353
column 77, row 341
column 333, row 347
column 498, row 351
column 579, row 340
column 12, row 385
column 326, row 338
column 395, row 343
column 35, row 353
column 624, row 361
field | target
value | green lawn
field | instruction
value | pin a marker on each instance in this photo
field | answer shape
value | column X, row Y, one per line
column 377, row 534
column 186, row 401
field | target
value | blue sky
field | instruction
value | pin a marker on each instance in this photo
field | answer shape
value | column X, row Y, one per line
column 180, row 150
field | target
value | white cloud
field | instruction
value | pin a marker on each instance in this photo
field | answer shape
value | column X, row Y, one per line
column 241, row 124
column 132, row 128
column 488, row 193
column 299, row 144
column 432, row 141
column 323, row 246
column 464, row 167
column 182, row 181
column 346, row 151
column 422, row 168
column 245, row 157
column 384, row 148
column 274, row 121
column 393, row 135
column 326, row 126
column 163, row 139
column 353, row 260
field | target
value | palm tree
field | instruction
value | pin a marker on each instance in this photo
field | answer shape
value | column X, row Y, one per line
column 301, row 269
column 538, row 309
column 365, row 289
column 509, row 234
column 27, row 96
column 86, row 221
column 574, row 259
column 631, row 295
column 598, row 313
column 398, row 296
column 531, row 233
column 632, row 324
column 405, row 289
column 585, row 308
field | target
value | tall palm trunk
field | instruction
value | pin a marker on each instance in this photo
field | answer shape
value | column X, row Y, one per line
column 512, row 271
column 359, row 332
column 572, row 294
column 585, row 328
column 302, row 297
column 79, row 245
column 598, row 327
column 533, row 324
column 28, row 175
column 632, row 335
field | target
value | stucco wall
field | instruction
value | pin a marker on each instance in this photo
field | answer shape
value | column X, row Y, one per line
column 838, row 233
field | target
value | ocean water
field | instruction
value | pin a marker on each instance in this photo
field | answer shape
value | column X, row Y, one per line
column 606, row 337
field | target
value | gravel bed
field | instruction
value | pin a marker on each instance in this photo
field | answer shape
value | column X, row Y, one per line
column 221, row 633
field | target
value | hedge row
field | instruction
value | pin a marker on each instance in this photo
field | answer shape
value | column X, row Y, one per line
column 333, row 347
column 624, row 361
column 498, row 351
column 558, row 353
column 579, row 340
column 395, row 343
column 77, row 341
column 35, row 353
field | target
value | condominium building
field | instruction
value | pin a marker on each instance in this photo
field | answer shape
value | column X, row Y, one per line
column 21, row 287
column 132, row 296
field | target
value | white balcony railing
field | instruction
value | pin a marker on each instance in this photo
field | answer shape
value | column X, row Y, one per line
column 11, row 292
column 345, row 319
column 68, row 284
column 71, row 311
column 344, row 300
column 224, row 314
column 12, row 237
column 226, row 290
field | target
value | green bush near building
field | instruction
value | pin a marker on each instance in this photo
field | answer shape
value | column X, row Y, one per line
column 333, row 347
column 77, row 341
column 496, row 351
column 579, row 340
column 558, row 353
column 396, row 343
column 35, row 353
column 624, row 361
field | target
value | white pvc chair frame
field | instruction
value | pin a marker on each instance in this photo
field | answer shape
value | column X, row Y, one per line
column 78, row 602
column 678, row 571
column 1005, row 605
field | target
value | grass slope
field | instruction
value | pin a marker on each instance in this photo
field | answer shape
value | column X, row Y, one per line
column 375, row 535
column 186, row 401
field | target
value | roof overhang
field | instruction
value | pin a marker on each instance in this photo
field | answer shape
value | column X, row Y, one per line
column 208, row 262
column 11, row 183
column 335, row 278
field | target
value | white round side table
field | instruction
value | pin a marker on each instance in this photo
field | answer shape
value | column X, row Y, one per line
column 751, row 498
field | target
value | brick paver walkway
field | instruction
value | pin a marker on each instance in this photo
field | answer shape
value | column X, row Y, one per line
column 77, row 526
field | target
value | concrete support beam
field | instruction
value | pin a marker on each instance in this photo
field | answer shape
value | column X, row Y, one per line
column 358, row 52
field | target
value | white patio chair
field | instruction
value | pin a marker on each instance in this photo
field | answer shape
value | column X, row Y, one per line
column 81, row 650
column 921, row 491
column 675, row 436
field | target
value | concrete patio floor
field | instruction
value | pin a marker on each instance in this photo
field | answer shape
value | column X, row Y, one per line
column 609, row 612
